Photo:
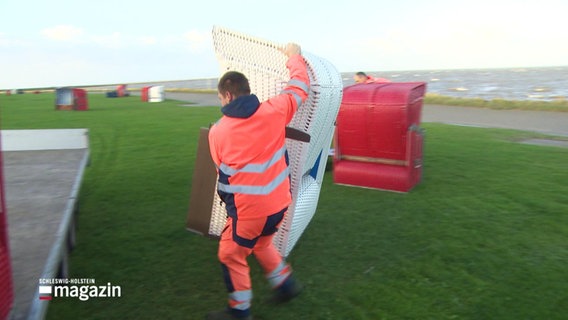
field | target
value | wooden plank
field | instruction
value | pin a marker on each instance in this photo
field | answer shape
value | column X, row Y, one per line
column 202, row 187
column 392, row 162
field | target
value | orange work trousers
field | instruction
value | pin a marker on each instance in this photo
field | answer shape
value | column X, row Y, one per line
column 241, row 238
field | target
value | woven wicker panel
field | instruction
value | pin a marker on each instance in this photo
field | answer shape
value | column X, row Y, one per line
column 265, row 67
column 218, row 216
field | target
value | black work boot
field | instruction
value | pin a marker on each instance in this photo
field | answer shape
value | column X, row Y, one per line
column 287, row 290
column 226, row 314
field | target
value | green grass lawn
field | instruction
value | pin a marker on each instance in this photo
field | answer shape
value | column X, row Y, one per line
column 484, row 236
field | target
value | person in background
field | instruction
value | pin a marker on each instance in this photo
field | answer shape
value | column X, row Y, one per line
column 248, row 148
column 362, row 77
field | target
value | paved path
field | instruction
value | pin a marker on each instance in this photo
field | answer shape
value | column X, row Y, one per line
column 555, row 123
column 197, row 99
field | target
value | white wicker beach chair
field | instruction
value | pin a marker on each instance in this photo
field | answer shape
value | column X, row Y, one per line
column 264, row 65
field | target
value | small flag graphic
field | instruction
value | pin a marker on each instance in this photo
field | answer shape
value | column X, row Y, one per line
column 44, row 292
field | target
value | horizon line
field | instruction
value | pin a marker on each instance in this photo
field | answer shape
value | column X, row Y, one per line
column 209, row 78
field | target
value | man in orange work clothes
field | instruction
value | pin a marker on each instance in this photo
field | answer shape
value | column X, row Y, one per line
column 248, row 147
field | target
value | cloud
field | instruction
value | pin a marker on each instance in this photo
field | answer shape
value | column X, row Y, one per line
column 456, row 42
column 147, row 40
column 7, row 41
column 73, row 55
column 194, row 41
column 475, row 36
column 62, row 33
column 197, row 40
column 114, row 40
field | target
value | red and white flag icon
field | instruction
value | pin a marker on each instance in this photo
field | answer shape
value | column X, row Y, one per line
column 45, row 292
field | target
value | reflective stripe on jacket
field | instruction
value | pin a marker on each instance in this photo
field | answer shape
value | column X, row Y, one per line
column 248, row 147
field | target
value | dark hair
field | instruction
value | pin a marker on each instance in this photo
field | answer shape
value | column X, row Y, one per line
column 234, row 82
column 360, row 73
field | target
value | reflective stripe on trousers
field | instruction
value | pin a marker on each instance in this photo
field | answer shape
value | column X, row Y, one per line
column 279, row 275
column 240, row 300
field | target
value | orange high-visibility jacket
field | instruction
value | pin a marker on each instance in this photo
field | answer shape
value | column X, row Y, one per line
column 248, row 147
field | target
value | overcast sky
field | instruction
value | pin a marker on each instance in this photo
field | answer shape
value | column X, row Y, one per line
column 60, row 42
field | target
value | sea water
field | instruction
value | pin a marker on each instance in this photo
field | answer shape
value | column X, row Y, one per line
column 544, row 84
column 541, row 84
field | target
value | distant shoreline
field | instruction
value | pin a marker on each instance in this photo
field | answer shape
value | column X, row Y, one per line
column 343, row 73
column 560, row 105
column 537, row 88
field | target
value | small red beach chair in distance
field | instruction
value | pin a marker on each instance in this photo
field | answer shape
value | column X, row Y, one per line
column 144, row 93
column 71, row 99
